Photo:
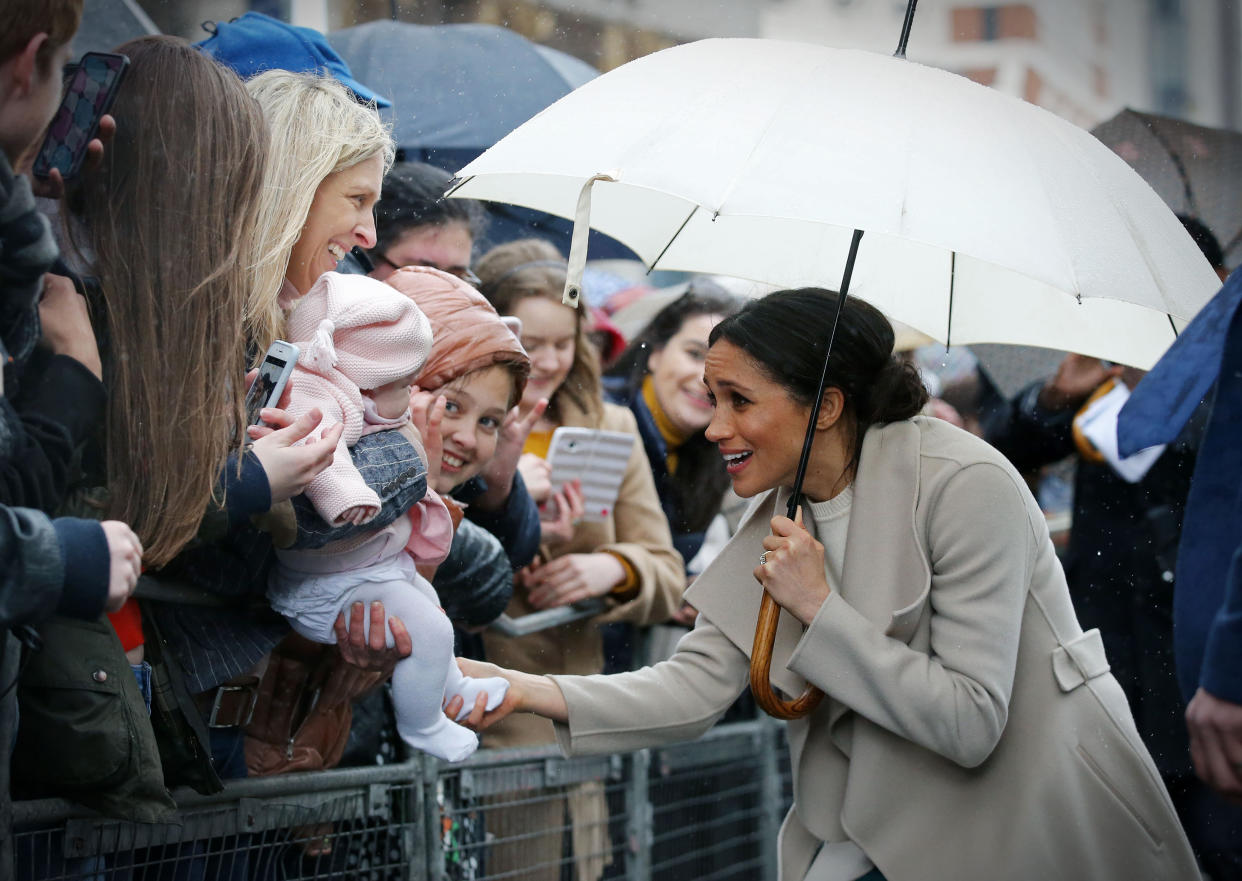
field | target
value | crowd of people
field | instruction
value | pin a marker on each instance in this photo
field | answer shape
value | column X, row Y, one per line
column 174, row 579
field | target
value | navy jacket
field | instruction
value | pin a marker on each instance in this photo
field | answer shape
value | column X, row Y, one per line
column 1207, row 613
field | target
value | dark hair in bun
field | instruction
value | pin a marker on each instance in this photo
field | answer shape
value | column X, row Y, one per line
column 786, row 333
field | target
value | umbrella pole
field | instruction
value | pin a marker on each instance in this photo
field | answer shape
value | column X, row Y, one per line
column 769, row 611
column 905, row 29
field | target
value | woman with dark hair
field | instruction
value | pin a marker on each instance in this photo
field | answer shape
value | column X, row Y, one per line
column 416, row 226
column 659, row 377
column 970, row 729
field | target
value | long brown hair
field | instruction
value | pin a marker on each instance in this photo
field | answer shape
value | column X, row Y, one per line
column 510, row 273
column 168, row 222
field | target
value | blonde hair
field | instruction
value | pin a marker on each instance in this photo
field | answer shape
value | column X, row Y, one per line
column 317, row 128
column 514, row 271
column 169, row 215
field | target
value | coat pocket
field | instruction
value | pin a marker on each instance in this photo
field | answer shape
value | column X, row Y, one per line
column 905, row 621
column 74, row 731
column 1107, row 779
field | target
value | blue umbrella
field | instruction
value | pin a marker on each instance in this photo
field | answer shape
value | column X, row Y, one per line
column 456, row 90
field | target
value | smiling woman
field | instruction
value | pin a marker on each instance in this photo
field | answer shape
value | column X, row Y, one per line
column 329, row 155
column 969, row 720
column 659, row 377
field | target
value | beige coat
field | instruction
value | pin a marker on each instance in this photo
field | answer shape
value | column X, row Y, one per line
column 638, row 531
column 971, row 729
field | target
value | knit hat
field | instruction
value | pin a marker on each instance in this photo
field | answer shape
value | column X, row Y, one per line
column 469, row 334
column 361, row 328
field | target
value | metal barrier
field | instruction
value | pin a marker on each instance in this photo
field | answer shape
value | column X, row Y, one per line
column 707, row 810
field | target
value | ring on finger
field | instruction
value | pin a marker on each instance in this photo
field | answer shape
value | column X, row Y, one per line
column 763, row 558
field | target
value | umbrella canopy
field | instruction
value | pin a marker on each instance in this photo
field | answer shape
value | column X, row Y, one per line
column 457, row 87
column 987, row 219
column 1196, row 170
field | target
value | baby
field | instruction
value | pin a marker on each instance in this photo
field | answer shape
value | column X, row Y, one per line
column 361, row 344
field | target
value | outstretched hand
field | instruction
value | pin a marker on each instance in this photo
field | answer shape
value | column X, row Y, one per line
column 479, row 718
column 291, row 466
column 794, row 570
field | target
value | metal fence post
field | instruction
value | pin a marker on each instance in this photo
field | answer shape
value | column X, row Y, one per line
column 770, row 793
column 638, row 812
column 433, row 848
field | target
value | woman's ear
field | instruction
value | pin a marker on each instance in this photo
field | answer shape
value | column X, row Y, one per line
column 831, row 409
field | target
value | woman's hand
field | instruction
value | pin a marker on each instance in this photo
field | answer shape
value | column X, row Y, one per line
column 568, row 506
column 66, row 323
column 290, row 468
column 125, row 554
column 794, row 571
column 366, row 648
column 571, row 578
column 479, row 718
column 498, row 473
column 537, row 475
column 427, row 414
column 528, row 693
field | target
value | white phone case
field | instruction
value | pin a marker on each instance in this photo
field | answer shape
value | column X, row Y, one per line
column 597, row 458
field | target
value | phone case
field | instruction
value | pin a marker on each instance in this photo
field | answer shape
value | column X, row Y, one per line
column 88, row 96
column 597, row 458
column 269, row 385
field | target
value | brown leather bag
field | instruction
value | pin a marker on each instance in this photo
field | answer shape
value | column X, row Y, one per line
column 293, row 728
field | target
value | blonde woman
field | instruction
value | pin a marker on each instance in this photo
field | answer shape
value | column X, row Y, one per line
column 329, row 156
column 628, row 559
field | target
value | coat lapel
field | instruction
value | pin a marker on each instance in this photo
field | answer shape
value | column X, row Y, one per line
column 885, row 571
column 886, row 568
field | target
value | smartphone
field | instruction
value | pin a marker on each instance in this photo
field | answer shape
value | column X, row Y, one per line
column 594, row 457
column 273, row 376
column 89, row 93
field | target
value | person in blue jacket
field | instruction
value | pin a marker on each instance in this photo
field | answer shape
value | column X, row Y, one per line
column 1207, row 605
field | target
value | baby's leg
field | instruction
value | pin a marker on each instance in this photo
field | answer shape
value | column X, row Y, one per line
column 418, row 681
column 456, row 683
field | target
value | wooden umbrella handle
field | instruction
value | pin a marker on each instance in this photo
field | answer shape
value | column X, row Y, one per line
column 761, row 665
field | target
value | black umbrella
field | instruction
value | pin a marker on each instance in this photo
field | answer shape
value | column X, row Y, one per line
column 1196, row 170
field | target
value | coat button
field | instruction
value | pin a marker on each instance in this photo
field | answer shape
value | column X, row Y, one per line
column 100, row 676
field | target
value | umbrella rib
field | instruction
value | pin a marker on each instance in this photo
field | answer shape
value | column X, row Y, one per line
column 1176, row 159
column 669, row 244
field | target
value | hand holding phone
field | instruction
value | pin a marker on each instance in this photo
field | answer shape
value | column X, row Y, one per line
column 270, row 383
column 90, row 90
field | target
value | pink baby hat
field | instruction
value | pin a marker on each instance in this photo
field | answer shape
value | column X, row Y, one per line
column 363, row 328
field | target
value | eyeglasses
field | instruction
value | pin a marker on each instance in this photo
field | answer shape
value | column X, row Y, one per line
column 462, row 272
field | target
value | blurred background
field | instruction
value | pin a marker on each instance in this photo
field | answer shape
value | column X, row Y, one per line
column 1082, row 59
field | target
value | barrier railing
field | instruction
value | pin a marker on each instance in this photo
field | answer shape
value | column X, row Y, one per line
column 707, row 810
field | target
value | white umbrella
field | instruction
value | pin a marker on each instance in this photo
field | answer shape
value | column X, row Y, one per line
column 986, row 219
